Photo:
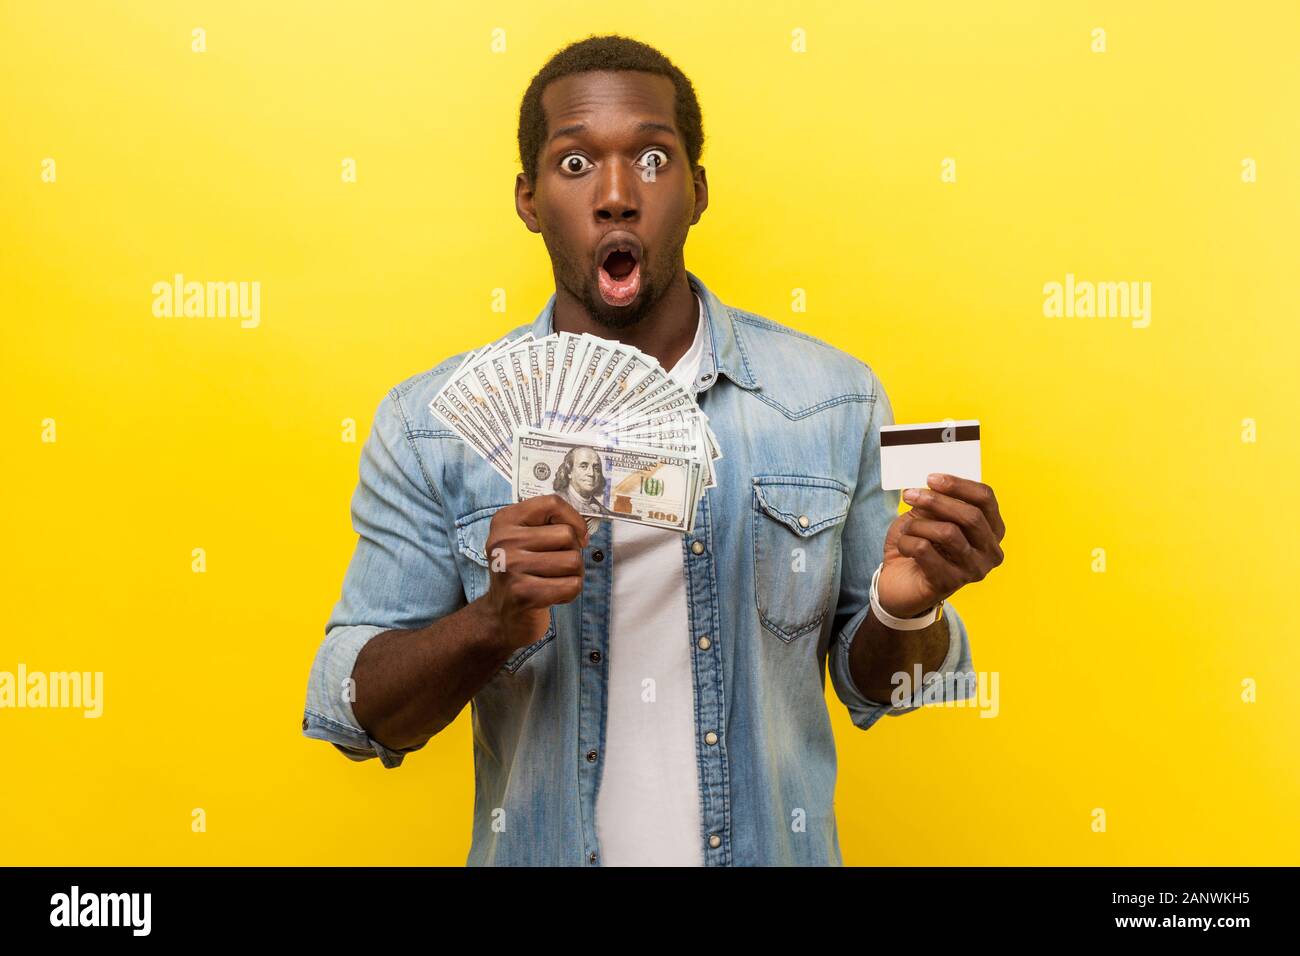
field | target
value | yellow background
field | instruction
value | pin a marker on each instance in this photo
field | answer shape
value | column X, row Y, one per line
column 1119, row 690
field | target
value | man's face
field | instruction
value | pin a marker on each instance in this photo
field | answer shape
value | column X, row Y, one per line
column 585, row 475
column 613, row 170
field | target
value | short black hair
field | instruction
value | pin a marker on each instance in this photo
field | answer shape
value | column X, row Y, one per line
column 611, row 52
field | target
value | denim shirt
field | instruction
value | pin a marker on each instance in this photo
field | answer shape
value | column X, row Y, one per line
column 777, row 571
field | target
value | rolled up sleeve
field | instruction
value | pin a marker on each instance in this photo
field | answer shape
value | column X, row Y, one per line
column 328, row 715
column 951, row 682
column 871, row 512
column 402, row 576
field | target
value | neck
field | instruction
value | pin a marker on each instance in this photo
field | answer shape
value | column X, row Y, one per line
column 665, row 332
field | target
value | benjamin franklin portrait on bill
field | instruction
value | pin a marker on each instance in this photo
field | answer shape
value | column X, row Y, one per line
column 581, row 480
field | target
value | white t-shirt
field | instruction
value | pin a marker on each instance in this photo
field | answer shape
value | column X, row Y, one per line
column 648, row 804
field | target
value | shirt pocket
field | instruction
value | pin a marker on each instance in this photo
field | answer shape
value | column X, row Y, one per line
column 798, row 520
column 471, row 540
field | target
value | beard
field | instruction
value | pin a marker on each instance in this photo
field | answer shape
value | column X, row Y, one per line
column 615, row 317
column 579, row 280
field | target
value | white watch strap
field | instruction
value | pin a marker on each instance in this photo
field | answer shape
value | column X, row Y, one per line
column 898, row 623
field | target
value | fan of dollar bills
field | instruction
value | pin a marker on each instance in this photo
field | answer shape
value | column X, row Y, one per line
column 598, row 422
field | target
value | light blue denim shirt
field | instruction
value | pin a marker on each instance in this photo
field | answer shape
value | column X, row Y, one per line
column 777, row 575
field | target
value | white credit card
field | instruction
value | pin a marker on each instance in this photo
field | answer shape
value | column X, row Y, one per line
column 908, row 453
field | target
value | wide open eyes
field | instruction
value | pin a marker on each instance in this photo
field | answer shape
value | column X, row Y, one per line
column 656, row 157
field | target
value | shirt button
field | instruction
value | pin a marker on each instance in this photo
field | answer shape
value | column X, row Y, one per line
column 304, row 723
column 591, row 756
column 598, row 555
column 803, row 521
column 710, row 738
column 592, row 858
column 697, row 547
column 715, row 841
column 704, row 642
column 595, row 657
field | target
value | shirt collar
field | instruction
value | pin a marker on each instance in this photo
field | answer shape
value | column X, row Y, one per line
column 723, row 352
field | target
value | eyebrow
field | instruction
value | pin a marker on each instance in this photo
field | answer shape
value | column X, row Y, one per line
column 642, row 127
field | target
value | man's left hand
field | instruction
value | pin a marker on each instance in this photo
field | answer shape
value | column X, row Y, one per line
column 951, row 537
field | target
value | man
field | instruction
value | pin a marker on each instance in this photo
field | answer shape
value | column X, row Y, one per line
column 640, row 696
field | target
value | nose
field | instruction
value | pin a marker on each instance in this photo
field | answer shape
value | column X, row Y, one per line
column 617, row 196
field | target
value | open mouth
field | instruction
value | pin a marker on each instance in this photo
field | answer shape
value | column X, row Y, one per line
column 619, row 272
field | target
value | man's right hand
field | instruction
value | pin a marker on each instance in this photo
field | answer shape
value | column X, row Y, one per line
column 534, row 552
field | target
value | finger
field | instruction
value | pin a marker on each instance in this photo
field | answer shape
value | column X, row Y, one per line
column 942, row 575
column 548, row 591
column 975, row 492
column 946, row 536
column 987, row 559
column 546, row 537
column 552, row 509
column 968, row 517
column 542, row 564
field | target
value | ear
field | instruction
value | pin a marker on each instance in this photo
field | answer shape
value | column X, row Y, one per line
column 701, row 194
column 524, row 203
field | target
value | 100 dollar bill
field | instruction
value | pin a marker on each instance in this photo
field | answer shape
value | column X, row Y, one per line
column 607, row 481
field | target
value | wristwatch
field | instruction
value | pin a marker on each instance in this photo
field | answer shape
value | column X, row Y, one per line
column 916, row 623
